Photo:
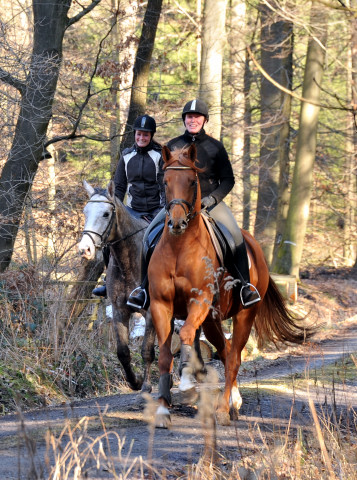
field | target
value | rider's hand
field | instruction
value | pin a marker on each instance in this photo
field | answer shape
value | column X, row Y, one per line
column 208, row 202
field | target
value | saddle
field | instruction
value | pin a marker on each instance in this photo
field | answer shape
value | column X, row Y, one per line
column 222, row 241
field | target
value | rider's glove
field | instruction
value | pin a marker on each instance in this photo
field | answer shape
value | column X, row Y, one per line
column 208, row 202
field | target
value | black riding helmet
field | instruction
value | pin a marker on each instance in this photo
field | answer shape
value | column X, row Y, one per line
column 145, row 123
column 195, row 106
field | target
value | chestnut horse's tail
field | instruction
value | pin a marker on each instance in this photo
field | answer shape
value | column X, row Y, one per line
column 274, row 323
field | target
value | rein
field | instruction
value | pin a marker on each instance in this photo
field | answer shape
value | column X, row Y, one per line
column 180, row 201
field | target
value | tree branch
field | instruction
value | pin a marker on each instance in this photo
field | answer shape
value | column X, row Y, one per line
column 289, row 92
column 12, row 81
column 84, row 12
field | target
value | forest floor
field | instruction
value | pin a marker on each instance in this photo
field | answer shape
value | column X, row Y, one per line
column 112, row 437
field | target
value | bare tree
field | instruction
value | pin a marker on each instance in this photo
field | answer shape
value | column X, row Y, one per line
column 142, row 68
column 37, row 89
column 290, row 249
column 213, row 42
column 275, row 112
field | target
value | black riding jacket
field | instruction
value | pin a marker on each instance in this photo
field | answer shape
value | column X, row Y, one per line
column 217, row 179
column 139, row 174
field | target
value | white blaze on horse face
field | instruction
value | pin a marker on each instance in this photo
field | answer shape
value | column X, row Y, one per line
column 98, row 212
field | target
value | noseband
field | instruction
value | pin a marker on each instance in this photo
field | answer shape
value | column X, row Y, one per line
column 190, row 214
column 105, row 235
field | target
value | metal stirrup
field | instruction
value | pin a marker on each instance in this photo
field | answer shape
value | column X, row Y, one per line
column 253, row 301
column 132, row 293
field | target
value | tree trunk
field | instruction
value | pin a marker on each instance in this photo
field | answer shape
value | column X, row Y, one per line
column 290, row 251
column 50, row 22
column 351, row 167
column 274, row 125
column 213, row 42
column 247, row 184
column 142, row 68
column 236, row 42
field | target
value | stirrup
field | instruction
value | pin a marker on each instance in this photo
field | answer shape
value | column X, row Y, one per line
column 251, row 302
column 131, row 299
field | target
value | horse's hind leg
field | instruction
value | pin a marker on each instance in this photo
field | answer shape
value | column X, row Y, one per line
column 148, row 352
column 242, row 325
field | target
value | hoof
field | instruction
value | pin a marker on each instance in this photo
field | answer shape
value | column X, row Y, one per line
column 223, row 418
column 163, row 418
column 188, row 397
column 136, row 385
column 146, row 388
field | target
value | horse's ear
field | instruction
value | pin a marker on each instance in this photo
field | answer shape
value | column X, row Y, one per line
column 192, row 152
column 166, row 153
column 89, row 188
column 111, row 189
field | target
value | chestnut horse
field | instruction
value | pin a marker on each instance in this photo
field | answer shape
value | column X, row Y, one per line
column 187, row 281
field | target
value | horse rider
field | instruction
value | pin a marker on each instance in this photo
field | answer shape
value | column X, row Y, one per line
column 216, row 181
column 139, row 176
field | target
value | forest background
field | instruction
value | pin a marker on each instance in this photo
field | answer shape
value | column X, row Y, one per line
column 280, row 81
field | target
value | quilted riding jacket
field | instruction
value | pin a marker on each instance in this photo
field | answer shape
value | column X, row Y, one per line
column 217, row 179
column 139, row 174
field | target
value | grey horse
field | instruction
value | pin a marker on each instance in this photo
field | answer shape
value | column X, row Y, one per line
column 108, row 222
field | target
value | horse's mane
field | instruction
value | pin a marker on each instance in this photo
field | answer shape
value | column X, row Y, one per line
column 181, row 156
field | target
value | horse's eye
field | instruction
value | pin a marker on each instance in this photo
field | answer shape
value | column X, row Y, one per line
column 193, row 183
column 106, row 214
column 165, row 184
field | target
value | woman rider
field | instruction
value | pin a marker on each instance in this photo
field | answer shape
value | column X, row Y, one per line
column 216, row 181
column 139, row 176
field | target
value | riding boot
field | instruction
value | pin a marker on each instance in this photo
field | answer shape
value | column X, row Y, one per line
column 249, row 295
column 139, row 297
column 102, row 290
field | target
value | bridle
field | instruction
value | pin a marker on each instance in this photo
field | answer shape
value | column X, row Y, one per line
column 105, row 235
column 190, row 214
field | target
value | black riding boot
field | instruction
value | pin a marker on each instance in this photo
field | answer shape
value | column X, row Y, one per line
column 249, row 295
column 139, row 297
column 102, row 290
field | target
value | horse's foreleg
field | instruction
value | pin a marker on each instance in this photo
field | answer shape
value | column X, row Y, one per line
column 121, row 329
column 188, row 334
column 162, row 316
column 148, row 352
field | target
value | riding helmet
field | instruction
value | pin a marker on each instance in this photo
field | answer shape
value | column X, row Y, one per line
column 145, row 123
column 195, row 106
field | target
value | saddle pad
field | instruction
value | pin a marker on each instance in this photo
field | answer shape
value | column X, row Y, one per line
column 216, row 243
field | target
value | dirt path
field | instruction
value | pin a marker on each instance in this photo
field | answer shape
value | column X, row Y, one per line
column 23, row 451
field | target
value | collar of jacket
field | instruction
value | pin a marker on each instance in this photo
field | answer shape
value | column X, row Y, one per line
column 196, row 137
column 143, row 150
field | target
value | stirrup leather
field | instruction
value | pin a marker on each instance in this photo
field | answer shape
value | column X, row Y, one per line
column 130, row 304
column 256, row 300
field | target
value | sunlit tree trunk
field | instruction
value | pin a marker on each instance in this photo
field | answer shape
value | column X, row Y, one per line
column 350, row 252
column 213, row 43
column 236, row 42
column 290, row 251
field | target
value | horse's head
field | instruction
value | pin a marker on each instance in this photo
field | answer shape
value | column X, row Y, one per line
column 99, row 215
column 183, row 194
